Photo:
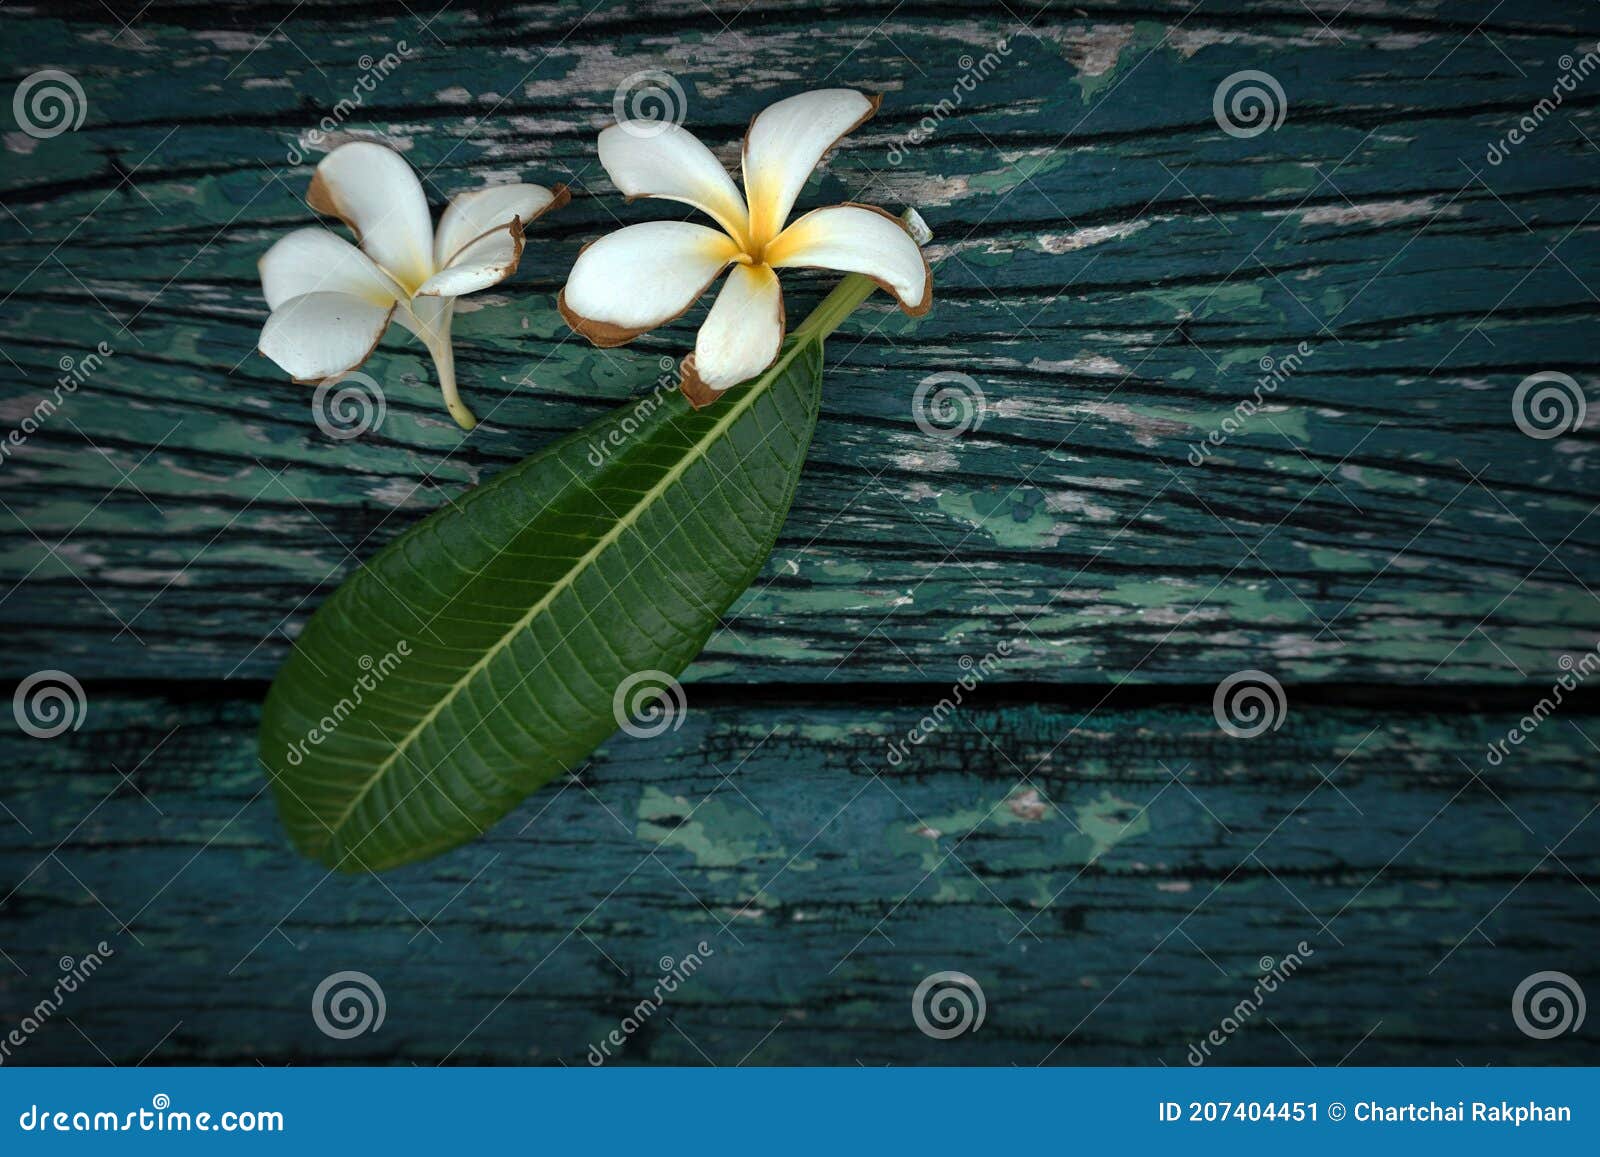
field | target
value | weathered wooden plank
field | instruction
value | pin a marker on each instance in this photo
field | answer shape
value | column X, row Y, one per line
column 1112, row 269
column 1119, row 899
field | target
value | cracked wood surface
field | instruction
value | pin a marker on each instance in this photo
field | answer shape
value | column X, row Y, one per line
column 1114, row 272
column 1119, row 901
column 1112, row 269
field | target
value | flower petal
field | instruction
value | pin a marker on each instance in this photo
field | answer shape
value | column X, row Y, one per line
column 640, row 277
column 321, row 335
column 315, row 260
column 667, row 160
column 487, row 261
column 740, row 337
column 786, row 141
column 471, row 215
column 429, row 318
column 858, row 239
column 373, row 190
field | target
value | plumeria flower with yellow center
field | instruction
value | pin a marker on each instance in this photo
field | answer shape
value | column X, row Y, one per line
column 331, row 301
column 643, row 276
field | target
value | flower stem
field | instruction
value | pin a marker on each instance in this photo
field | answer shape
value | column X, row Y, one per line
column 853, row 290
column 837, row 306
column 444, row 362
column 429, row 318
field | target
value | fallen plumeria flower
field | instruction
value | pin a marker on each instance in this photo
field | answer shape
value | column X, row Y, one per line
column 645, row 275
column 331, row 302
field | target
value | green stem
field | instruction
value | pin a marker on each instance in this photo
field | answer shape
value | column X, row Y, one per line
column 853, row 290
column 838, row 305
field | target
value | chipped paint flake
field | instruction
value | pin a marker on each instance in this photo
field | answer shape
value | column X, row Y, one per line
column 1094, row 235
column 1026, row 805
column 1095, row 365
column 1377, row 212
column 938, row 461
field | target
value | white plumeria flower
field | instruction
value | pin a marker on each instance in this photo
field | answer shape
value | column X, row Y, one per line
column 331, row 301
column 643, row 276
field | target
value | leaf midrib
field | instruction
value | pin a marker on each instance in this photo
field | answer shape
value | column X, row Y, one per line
column 566, row 580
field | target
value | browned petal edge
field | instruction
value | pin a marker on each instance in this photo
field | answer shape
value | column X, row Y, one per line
column 601, row 333
column 873, row 99
column 357, row 364
column 517, row 238
column 320, row 198
column 607, row 335
column 694, row 388
column 920, row 307
column 559, row 197
column 700, row 394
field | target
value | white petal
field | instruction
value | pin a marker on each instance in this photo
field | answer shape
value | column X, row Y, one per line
column 640, row 277
column 858, row 239
column 313, row 261
column 373, row 190
column 321, row 335
column 785, row 142
column 471, row 215
column 670, row 162
column 487, row 261
column 429, row 318
column 741, row 334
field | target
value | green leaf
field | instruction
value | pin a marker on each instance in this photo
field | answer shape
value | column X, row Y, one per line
column 477, row 656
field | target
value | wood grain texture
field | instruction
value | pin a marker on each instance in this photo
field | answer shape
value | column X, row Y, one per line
column 1119, row 900
column 1111, row 268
